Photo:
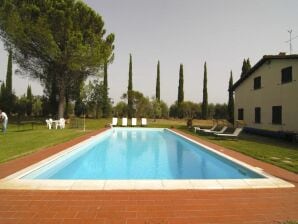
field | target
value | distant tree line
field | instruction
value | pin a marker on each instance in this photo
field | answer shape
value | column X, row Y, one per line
column 92, row 100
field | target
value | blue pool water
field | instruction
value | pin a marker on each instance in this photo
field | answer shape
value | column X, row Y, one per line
column 124, row 153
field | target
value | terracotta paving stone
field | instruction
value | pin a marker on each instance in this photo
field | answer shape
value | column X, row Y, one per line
column 255, row 206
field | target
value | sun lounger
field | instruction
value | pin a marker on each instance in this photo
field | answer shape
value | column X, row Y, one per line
column 114, row 121
column 144, row 122
column 235, row 134
column 124, row 121
column 133, row 122
column 201, row 129
column 224, row 128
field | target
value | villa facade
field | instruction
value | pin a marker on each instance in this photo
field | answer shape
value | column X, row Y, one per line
column 266, row 98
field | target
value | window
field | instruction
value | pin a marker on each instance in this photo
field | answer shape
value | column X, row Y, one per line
column 258, row 115
column 257, row 82
column 276, row 115
column 240, row 114
column 286, row 75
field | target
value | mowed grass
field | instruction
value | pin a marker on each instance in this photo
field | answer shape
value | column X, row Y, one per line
column 16, row 143
column 277, row 152
column 20, row 141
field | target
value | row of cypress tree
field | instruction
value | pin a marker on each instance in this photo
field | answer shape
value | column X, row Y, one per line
column 180, row 100
column 6, row 94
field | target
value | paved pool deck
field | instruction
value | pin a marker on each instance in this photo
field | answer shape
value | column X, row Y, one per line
column 145, row 206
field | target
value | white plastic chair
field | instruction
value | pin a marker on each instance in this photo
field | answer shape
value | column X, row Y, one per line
column 124, row 121
column 60, row 123
column 49, row 123
column 133, row 122
column 144, row 121
column 114, row 121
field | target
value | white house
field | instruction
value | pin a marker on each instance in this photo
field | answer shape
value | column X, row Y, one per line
column 266, row 97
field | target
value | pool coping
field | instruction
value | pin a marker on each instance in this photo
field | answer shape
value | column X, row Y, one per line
column 13, row 181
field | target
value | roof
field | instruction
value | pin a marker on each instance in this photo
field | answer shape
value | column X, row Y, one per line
column 259, row 64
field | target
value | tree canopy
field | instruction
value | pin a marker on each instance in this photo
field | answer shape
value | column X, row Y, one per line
column 59, row 40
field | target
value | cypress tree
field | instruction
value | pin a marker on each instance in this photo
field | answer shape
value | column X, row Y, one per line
column 231, row 100
column 205, row 95
column 245, row 67
column 180, row 87
column 9, row 74
column 248, row 66
column 105, row 106
column 129, row 90
column 29, row 103
column 29, row 93
column 157, row 92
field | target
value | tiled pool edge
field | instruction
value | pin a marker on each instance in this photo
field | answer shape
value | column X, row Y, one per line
column 13, row 181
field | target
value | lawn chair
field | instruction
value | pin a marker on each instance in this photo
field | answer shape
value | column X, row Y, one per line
column 133, row 122
column 124, row 121
column 60, row 123
column 144, row 122
column 201, row 129
column 49, row 123
column 114, row 121
column 224, row 128
column 235, row 134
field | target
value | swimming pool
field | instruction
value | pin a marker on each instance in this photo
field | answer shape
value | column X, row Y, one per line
column 139, row 159
column 126, row 153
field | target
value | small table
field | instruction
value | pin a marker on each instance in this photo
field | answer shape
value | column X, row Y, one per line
column 56, row 122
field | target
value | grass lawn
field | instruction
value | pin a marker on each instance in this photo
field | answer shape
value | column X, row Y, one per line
column 277, row 152
column 19, row 141
column 16, row 143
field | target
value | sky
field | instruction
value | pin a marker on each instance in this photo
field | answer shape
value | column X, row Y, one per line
column 191, row 32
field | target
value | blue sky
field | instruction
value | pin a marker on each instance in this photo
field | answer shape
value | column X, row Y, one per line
column 222, row 33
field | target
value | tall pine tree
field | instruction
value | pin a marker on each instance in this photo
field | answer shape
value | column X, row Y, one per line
column 180, row 87
column 231, row 100
column 129, row 90
column 157, row 92
column 9, row 74
column 205, row 95
column 105, row 103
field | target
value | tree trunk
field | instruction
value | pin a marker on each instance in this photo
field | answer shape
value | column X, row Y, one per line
column 61, row 102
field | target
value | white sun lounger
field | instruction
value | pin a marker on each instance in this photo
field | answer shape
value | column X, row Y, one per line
column 200, row 129
column 134, row 122
column 114, row 121
column 235, row 134
column 144, row 122
column 124, row 121
column 224, row 128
